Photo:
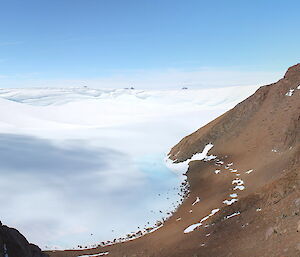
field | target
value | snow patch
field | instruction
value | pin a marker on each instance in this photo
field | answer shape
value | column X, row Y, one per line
column 239, row 187
column 196, row 201
column 290, row 92
column 249, row 171
column 209, row 158
column 192, row 227
column 182, row 167
column 232, row 215
column 238, row 181
column 220, row 162
column 94, row 255
column 196, row 225
column 230, row 202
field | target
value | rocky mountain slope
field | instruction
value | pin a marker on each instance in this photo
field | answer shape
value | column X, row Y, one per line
column 245, row 201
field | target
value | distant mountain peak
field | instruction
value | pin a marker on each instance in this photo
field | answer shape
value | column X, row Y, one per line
column 293, row 71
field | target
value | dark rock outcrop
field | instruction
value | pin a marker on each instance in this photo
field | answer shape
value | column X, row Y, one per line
column 14, row 244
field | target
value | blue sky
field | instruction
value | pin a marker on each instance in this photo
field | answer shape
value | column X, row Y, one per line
column 114, row 43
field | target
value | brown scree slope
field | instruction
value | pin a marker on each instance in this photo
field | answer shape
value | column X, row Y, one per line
column 262, row 134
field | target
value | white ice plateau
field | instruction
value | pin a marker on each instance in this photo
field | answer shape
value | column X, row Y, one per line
column 80, row 166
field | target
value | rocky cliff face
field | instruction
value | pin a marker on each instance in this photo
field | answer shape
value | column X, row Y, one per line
column 14, row 244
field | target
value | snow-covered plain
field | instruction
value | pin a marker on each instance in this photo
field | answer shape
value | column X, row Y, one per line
column 80, row 166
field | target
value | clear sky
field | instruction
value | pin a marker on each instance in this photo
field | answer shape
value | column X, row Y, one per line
column 146, row 42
